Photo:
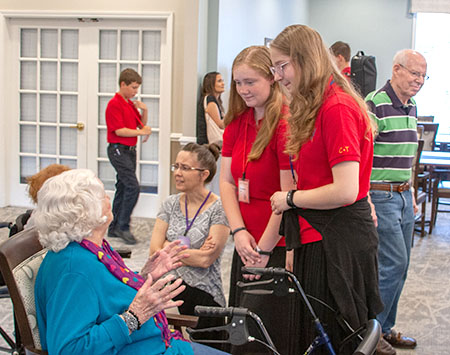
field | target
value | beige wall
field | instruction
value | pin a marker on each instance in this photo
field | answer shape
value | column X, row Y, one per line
column 185, row 43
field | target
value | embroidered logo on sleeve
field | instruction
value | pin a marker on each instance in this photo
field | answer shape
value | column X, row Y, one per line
column 343, row 149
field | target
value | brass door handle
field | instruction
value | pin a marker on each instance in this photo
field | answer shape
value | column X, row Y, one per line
column 79, row 126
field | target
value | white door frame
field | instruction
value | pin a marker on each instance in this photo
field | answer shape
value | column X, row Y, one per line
column 9, row 86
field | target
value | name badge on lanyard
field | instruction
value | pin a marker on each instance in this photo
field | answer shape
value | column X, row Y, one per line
column 244, row 190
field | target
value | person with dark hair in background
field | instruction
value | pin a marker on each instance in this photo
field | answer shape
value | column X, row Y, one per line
column 254, row 166
column 341, row 53
column 196, row 216
column 210, row 110
column 35, row 183
column 124, row 124
column 335, row 241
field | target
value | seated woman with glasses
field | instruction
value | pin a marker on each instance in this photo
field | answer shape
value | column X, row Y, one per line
column 196, row 217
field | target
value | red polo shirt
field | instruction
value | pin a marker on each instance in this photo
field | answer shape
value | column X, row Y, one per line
column 121, row 113
column 340, row 134
column 263, row 174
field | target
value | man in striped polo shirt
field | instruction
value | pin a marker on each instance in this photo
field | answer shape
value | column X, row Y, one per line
column 394, row 112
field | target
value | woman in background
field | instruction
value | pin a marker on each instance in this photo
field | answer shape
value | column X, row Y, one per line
column 211, row 110
column 195, row 215
column 254, row 166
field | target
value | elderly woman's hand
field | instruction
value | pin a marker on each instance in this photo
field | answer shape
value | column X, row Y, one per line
column 153, row 297
column 164, row 260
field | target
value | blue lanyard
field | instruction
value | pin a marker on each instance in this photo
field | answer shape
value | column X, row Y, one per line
column 189, row 225
column 292, row 170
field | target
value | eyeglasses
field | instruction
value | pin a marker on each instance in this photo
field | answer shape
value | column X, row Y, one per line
column 416, row 74
column 183, row 168
column 279, row 68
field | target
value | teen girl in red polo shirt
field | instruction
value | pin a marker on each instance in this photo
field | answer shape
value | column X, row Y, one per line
column 254, row 166
column 335, row 257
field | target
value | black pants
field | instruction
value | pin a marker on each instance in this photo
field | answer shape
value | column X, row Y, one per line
column 195, row 297
column 127, row 186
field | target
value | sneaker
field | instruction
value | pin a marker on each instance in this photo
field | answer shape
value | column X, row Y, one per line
column 125, row 235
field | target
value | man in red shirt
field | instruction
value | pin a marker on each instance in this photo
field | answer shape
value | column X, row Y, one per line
column 341, row 52
column 124, row 124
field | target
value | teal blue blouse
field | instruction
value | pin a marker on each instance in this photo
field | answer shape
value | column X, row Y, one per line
column 78, row 302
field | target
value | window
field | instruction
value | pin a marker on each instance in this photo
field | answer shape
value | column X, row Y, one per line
column 432, row 39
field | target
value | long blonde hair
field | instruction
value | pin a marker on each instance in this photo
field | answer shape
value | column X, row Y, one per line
column 312, row 59
column 257, row 58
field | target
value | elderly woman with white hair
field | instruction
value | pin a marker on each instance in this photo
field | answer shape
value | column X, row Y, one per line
column 87, row 300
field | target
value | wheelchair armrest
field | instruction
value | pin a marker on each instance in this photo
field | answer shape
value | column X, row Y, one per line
column 33, row 351
column 181, row 320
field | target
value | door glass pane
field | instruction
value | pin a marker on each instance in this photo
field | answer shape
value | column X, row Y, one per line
column 108, row 44
column 150, row 79
column 153, row 111
column 27, row 139
column 28, row 43
column 47, row 112
column 27, row 168
column 28, row 107
column 69, row 77
column 149, row 149
column 151, row 45
column 149, row 178
column 129, row 48
column 72, row 163
column 108, row 78
column 102, row 143
column 28, row 75
column 68, row 141
column 102, row 103
column 69, row 44
column 134, row 66
column 107, row 175
column 47, row 140
column 49, row 43
column 69, row 109
column 48, row 75
column 44, row 162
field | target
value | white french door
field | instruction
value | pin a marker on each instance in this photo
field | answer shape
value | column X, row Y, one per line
column 66, row 72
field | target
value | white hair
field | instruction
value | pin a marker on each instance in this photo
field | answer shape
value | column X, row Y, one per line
column 402, row 56
column 69, row 208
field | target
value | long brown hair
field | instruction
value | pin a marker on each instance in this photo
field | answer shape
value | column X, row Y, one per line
column 312, row 59
column 257, row 58
column 209, row 87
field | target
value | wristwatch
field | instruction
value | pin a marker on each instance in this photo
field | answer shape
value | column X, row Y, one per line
column 290, row 198
column 131, row 321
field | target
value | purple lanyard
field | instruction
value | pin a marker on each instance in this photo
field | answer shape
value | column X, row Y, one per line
column 189, row 225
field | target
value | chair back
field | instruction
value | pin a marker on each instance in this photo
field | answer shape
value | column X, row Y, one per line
column 429, row 135
column 20, row 259
column 419, row 131
column 416, row 166
column 425, row 118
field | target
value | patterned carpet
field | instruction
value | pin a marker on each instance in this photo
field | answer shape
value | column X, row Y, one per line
column 424, row 310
